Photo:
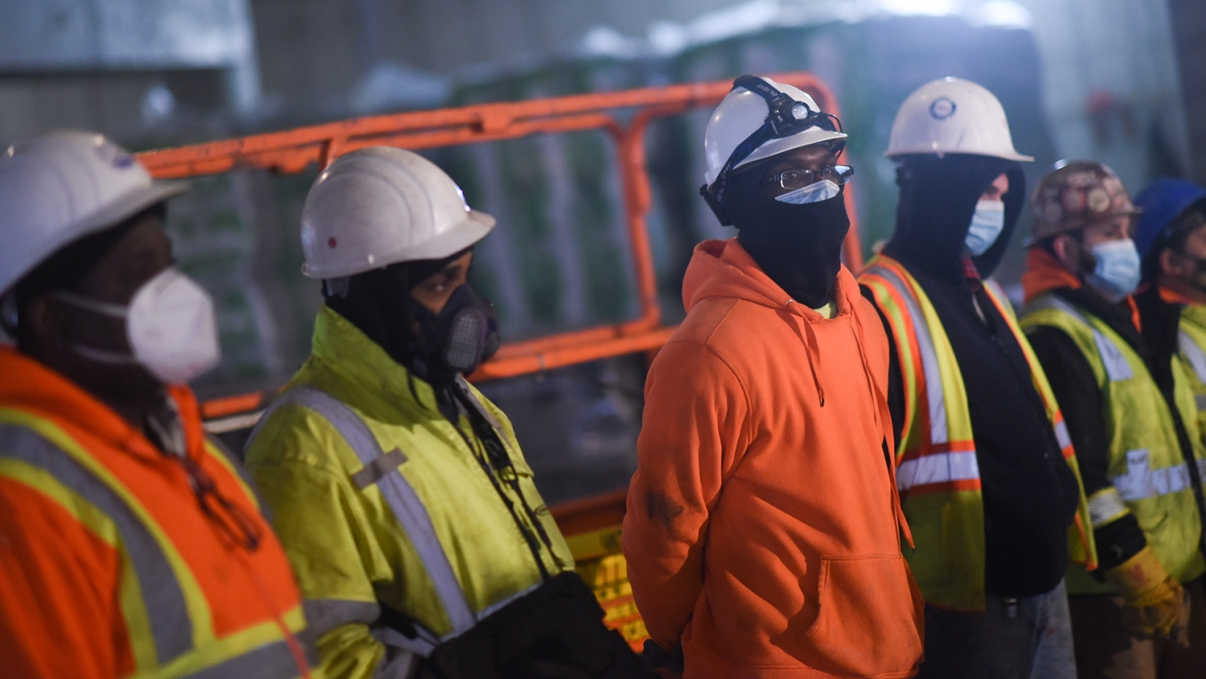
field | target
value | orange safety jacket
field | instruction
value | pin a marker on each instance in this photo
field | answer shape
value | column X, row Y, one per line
column 116, row 561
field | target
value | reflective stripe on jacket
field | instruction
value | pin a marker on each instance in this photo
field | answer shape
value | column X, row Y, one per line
column 938, row 473
column 1191, row 341
column 1151, row 479
column 111, row 565
column 380, row 500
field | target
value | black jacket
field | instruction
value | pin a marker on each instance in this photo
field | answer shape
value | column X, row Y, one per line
column 1030, row 494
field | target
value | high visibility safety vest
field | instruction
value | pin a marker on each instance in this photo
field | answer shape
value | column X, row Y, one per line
column 1191, row 342
column 1150, row 475
column 117, row 560
column 938, row 473
column 384, row 505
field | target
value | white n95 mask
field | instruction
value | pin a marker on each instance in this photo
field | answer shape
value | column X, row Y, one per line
column 812, row 193
column 987, row 223
column 169, row 324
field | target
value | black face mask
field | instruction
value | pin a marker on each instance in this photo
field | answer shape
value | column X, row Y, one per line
column 798, row 246
column 458, row 339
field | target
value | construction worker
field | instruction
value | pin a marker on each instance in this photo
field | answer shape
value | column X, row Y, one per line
column 129, row 545
column 399, row 491
column 985, row 467
column 1134, row 422
column 1171, row 239
column 763, row 530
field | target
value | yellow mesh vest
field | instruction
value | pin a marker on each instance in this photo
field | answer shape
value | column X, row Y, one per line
column 937, row 472
column 1151, row 479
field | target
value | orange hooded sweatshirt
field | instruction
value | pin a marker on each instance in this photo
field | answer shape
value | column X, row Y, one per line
column 763, row 525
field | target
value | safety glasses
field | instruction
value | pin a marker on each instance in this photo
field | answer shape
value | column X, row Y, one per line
column 799, row 178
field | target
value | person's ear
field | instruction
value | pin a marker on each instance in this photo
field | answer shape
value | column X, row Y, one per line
column 1067, row 251
column 1173, row 265
column 42, row 321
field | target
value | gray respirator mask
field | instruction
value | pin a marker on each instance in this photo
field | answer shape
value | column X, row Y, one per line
column 459, row 338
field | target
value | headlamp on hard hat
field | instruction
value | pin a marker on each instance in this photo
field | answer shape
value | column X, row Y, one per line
column 786, row 116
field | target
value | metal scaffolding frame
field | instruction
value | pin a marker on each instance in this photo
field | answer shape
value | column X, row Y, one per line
column 292, row 151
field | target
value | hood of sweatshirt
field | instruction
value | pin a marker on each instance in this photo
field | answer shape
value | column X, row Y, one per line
column 1044, row 273
column 724, row 269
column 938, row 197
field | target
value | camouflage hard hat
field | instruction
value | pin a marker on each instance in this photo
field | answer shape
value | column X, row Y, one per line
column 1077, row 195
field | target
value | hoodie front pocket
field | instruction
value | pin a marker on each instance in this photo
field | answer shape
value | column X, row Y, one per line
column 869, row 619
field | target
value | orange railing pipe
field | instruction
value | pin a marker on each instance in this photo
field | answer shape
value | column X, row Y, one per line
column 292, row 151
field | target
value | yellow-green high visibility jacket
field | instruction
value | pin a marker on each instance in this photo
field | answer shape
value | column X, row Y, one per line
column 1149, row 472
column 380, row 501
column 937, row 470
column 1191, row 341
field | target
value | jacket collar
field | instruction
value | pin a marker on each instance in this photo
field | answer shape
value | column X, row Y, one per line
column 35, row 388
column 345, row 350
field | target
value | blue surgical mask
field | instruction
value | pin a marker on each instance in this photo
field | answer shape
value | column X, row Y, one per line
column 986, row 225
column 1118, row 269
column 813, row 193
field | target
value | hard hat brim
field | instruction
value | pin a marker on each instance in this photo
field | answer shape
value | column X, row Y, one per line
column 1015, row 156
column 111, row 215
column 475, row 227
column 782, row 145
column 1032, row 240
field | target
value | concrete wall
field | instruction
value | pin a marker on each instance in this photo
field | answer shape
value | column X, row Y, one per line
column 1189, row 30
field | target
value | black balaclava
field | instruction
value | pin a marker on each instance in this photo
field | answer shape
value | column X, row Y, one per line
column 798, row 246
column 938, row 197
column 378, row 302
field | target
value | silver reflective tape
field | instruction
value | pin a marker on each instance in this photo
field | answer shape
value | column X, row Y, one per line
column 929, row 358
column 1141, row 482
column 378, row 468
column 1061, row 434
column 324, row 615
column 171, row 627
column 419, row 646
column 1116, row 366
column 271, row 661
column 937, row 468
column 1200, row 400
column 1194, row 354
column 1105, row 506
column 402, row 499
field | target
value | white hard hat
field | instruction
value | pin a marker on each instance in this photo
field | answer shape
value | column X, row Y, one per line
column 62, row 186
column 740, row 114
column 952, row 116
column 380, row 206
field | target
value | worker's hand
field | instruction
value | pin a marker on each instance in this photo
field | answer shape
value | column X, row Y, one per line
column 1155, row 601
column 1180, row 631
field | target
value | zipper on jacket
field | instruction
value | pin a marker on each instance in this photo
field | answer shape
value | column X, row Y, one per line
column 492, row 472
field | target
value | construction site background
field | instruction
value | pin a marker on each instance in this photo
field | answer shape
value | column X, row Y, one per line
column 1097, row 79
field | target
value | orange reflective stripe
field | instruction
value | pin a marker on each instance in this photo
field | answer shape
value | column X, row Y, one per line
column 915, row 334
column 903, row 332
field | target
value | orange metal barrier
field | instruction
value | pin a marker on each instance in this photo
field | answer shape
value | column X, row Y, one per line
column 293, row 150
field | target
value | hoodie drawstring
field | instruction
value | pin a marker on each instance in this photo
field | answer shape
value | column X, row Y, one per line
column 809, row 337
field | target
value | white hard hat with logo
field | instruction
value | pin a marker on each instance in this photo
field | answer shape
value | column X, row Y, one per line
column 742, row 113
column 62, row 186
column 952, row 116
column 380, row 206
